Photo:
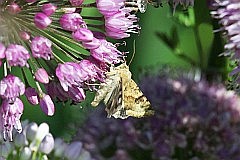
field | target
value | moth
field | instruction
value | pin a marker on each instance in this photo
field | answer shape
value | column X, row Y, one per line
column 121, row 95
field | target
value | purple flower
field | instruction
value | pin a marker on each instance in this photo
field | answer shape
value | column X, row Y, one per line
column 83, row 35
column 11, row 87
column 24, row 35
column 32, row 96
column 226, row 13
column 17, row 55
column 41, row 48
column 10, row 114
column 70, row 74
column 48, row 8
column 121, row 24
column 71, row 21
column 47, row 105
column 41, row 20
column 13, row 8
column 41, row 76
column 107, row 53
column 55, row 90
column 77, row 94
column 95, row 43
column 109, row 7
column 76, row 2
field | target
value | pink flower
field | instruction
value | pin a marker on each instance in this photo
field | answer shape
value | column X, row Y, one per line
column 76, row 2
column 109, row 7
column 41, row 76
column 77, row 94
column 41, row 48
column 10, row 114
column 48, row 8
column 47, row 105
column 71, row 21
column 41, row 20
column 32, row 96
column 95, row 43
column 83, row 35
column 17, row 55
column 11, row 87
column 13, row 8
column 107, row 53
column 70, row 74
column 122, row 23
column 24, row 35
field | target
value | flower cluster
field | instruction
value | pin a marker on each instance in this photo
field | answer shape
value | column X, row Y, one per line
column 226, row 12
column 193, row 120
column 54, row 50
column 35, row 142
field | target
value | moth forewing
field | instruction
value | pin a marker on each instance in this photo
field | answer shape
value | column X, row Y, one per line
column 121, row 95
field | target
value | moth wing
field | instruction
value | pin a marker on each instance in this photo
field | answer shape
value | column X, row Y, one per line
column 104, row 90
column 135, row 103
column 114, row 103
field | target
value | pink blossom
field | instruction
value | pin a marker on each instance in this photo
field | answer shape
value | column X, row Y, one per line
column 121, row 24
column 13, row 8
column 107, row 53
column 47, row 105
column 32, row 96
column 76, row 2
column 109, row 7
column 10, row 114
column 83, row 35
column 11, row 87
column 71, row 21
column 48, row 8
column 70, row 74
column 41, row 20
column 41, row 48
column 17, row 55
column 41, row 76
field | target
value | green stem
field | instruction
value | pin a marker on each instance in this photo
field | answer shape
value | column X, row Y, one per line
column 199, row 48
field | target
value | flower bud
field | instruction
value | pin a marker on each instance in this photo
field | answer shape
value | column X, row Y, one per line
column 84, row 155
column 24, row 35
column 83, row 34
column 31, row 131
column 13, row 8
column 73, row 150
column 41, row 48
column 95, row 43
column 2, row 51
column 47, row 144
column 48, row 9
column 42, row 131
column 25, row 154
column 47, row 105
column 32, row 96
column 59, row 147
column 5, row 149
column 20, row 140
column 41, row 76
column 41, row 20
column 71, row 21
column 76, row 2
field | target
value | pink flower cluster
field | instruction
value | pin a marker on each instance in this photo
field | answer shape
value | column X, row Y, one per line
column 40, row 45
column 119, row 22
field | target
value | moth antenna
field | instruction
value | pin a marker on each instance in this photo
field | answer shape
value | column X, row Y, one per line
column 134, row 51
